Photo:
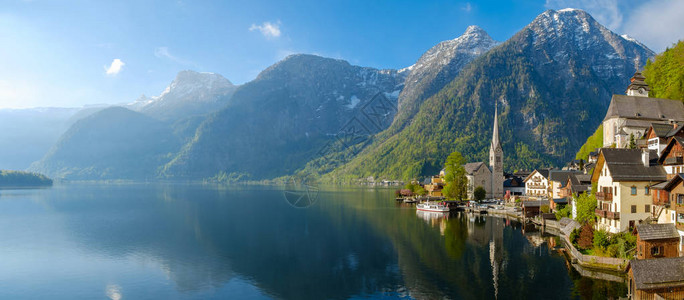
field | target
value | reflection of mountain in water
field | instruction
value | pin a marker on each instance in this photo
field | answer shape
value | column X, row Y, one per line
column 203, row 237
column 351, row 243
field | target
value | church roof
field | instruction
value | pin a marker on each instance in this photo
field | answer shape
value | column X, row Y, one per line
column 471, row 168
column 645, row 108
column 638, row 81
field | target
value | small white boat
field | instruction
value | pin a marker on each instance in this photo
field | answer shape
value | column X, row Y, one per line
column 436, row 207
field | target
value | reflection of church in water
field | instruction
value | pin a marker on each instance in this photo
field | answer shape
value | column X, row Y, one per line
column 489, row 232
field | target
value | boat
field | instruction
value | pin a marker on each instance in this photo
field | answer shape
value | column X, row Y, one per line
column 410, row 200
column 436, row 207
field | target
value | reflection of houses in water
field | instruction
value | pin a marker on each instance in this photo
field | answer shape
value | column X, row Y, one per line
column 434, row 219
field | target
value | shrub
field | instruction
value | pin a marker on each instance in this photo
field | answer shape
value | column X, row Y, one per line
column 586, row 238
column 545, row 209
column 565, row 211
column 601, row 240
column 574, row 235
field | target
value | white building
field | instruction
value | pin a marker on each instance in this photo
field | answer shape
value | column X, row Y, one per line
column 633, row 114
column 624, row 178
column 537, row 184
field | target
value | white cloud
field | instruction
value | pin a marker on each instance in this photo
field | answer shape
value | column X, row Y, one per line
column 115, row 67
column 267, row 29
column 163, row 52
column 657, row 24
column 467, row 7
column 605, row 12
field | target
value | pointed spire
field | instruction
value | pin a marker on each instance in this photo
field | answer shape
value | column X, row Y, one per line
column 495, row 133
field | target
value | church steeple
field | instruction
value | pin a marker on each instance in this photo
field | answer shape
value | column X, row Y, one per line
column 495, row 134
column 496, row 159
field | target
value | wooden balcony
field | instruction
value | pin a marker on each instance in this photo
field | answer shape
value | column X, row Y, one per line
column 676, row 160
column 613, row 215
column 600, row 213
column 601, row 196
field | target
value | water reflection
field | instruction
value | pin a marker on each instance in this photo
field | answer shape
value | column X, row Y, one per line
column 193, row 241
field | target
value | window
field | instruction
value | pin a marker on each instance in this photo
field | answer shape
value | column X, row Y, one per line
column 633, row 209
column 647, row 191
column 634, row 190
column 647, row 208
column 657, row 251
column 680, row 199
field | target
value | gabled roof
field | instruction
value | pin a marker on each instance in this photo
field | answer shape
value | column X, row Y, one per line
column 670, row 184
column 649, row 232
column 658, row 272
column 635, row 107
column 660, row 130
column 674, row 140
column 543, row 172
column 561, row 175
column 514, row 181
column 626, row 165
column 471, row 168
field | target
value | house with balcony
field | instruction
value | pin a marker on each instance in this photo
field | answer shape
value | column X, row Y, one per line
column 659, row 135
column 537, row 184
column 672, row 157
column 624, row 178
column 668, row 204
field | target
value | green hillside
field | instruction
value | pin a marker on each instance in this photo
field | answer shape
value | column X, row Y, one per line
column 593, row 142
column 665, row 74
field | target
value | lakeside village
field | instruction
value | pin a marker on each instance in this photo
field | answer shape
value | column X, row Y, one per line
column 621, row 210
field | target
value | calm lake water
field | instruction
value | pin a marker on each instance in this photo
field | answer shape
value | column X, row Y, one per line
column 163, row 241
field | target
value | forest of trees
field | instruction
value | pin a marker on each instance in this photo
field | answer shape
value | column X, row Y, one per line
column 23, row 179
column 665, row 74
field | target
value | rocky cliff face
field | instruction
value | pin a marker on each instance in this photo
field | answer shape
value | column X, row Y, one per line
column 553, row 81
column 439, row 66
column 277, row 122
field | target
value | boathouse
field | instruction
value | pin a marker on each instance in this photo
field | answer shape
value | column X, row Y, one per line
column 657, row 278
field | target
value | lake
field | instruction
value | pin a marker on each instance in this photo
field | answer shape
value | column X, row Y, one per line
column 184, row 241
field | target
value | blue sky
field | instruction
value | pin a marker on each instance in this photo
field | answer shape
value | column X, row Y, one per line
column 73, row 53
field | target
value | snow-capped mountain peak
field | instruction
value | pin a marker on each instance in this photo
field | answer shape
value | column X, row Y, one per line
column 188, row 89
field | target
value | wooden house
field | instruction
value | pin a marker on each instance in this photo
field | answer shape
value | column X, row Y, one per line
column 658, row 278
column 657, row 240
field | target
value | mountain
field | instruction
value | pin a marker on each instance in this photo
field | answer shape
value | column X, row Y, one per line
column 277, row 122
column 437, row 67
column 552, row 80
column 114, row 143
column 26, row 134
column 191, row 93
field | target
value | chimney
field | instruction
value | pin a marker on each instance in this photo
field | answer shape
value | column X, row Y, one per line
column 644, row 157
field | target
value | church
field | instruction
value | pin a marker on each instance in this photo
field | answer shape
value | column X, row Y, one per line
column 490, row 178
